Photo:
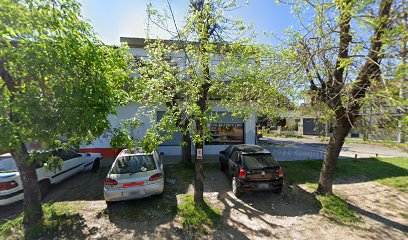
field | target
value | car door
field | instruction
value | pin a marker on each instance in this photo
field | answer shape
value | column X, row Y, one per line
column 225, row 156
column 71, row 164
column 233, row 163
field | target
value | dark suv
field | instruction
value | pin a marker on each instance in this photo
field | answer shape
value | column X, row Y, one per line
column 251, row 167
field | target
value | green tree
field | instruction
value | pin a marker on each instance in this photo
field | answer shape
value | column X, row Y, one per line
column 57, row 81
column 212, row 57
column 352, row 54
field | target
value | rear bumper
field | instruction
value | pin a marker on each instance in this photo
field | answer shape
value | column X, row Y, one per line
column 260, row 186
column 11, row 197
column 121, row 194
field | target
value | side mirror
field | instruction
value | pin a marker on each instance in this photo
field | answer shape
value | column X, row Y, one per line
column 161, row 153
column 88, row 154
column 222, row 152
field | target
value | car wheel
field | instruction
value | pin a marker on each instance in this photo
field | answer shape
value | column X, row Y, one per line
column 95, row 165
column 44, row 187
column 278, row 190
column 235, row 187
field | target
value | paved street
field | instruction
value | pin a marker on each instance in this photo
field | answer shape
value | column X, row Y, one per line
column 291, row 149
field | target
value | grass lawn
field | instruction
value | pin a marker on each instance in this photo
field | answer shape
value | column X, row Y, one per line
column 391, row 144
column 337, row 209
column 195, row 217
column 392, row 172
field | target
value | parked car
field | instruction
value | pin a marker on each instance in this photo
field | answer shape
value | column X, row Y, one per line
column 134, row 174
column 11, row 188
column 251, row 168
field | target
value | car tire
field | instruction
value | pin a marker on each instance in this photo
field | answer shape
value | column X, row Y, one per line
column 109, row 204
column 95, row 165
column 277, row 191
column 44, row 187
column 235, row 187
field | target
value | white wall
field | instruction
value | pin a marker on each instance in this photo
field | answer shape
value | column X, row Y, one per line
column 130, row 110
column 122, row 113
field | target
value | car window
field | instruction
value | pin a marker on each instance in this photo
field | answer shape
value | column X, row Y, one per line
column 68, row 155
column 259, row 161
column 7, row 165
column 157, row 156
column 134, row 164
column 228, row 150
column 234, row 156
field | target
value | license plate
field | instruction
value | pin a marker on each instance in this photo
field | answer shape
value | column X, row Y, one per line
column 136, row 193
column 263, row 185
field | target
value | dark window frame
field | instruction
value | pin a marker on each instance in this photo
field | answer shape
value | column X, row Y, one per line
column 228, row 143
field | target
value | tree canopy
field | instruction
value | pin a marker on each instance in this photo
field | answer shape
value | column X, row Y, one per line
column 353, row 55
column 58, row 83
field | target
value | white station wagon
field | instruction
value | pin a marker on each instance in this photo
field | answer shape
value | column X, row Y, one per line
column 11, row 188
column 134, row 174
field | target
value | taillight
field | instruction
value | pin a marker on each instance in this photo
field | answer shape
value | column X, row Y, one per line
column 242, row 173
column 110, row 182
column 280, row 172
column 156, row 176
column 8, row 185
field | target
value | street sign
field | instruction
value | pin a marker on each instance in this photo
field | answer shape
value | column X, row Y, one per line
column 199, row 153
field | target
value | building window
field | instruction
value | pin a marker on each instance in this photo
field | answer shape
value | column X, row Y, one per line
column 226, row 133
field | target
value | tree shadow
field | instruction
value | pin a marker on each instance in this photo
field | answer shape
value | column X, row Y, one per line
column 145, row 216
column 258, row 207
column 387, row 222
column 61, row 225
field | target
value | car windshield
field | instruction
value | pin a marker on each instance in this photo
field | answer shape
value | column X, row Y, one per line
column 7, row 165
column 134, row 164
column 259, row 161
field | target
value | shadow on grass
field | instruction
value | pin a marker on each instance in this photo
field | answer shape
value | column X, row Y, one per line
column 59, row 222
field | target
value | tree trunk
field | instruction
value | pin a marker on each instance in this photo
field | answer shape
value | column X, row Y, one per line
column 199, row 173
column 186, row 146
column 340, row 131
column 32, row 195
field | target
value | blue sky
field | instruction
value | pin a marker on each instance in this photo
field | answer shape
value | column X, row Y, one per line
column 113, row 19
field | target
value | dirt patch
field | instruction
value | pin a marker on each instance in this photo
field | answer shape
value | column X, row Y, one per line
column 373, row 200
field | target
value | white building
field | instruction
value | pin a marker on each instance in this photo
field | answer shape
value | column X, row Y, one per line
column 227, row 130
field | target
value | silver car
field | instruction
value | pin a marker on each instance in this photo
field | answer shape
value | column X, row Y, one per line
column 134, row 174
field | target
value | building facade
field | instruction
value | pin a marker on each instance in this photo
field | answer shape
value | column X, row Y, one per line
column 226, row 130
